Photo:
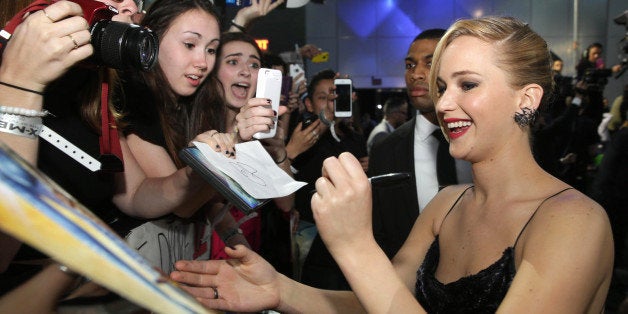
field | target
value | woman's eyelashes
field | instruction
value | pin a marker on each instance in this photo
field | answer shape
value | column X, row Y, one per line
column 235, row 61
column 208, row 50
column 467, row 86
column 441, row 89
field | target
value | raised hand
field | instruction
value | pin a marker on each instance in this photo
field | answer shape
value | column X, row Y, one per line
column 342, row 205
column 256, row 116
column 302, row 139
column 45, row 45
column 258, row 8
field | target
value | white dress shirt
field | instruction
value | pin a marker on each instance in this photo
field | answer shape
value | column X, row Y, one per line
column 425, row 149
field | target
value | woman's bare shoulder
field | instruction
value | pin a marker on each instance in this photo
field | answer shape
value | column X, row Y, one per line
column 569, row 219
column 573, row 205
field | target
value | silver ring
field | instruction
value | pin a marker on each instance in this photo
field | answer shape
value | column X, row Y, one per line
column 76, row 45
column 314, row 133
column 216, row 295
column 48, row 16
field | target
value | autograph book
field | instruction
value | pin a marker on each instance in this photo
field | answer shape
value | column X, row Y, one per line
column 247, row 181
column 40, row 213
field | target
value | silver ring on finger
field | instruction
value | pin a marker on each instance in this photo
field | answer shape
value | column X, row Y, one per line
column 216, row 295
column 76, row 45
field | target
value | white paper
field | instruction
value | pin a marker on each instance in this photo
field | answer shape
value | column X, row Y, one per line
column 253, row 169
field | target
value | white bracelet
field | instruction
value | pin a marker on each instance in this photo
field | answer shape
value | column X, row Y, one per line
column 20, row 125
column 23, row 111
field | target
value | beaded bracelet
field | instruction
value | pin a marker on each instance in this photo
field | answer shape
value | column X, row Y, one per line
column 23, row 111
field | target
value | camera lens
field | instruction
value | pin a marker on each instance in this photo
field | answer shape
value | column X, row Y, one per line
column 124, row 46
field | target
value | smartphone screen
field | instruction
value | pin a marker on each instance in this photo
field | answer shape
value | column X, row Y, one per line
column 342, row 105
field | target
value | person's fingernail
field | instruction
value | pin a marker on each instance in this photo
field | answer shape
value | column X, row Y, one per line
column 217, row 146
column 275, row 112
column 227, row 152
column 268, row 100
column 232, row 154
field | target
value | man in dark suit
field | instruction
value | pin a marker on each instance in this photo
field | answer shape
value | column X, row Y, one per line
column 412, row 148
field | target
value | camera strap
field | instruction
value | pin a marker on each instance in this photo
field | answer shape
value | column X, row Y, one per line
column 110, row 159
column 110, row 150
column 9, row 28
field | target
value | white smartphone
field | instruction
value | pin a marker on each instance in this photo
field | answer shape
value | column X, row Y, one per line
column 295, row 70
column 269, row 86
column 343, row 103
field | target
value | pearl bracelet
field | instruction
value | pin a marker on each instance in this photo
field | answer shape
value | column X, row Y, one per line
column 23, row 111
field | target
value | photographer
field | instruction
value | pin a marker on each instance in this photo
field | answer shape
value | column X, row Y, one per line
column 564, row 146
column 592, row 70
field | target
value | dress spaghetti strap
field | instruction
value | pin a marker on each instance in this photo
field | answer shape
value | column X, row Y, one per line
column 537, row 209
column 452, row 206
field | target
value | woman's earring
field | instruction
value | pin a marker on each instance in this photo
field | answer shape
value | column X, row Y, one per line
column 526, row 117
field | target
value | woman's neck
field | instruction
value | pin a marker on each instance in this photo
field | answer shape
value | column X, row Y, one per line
column 508, row 172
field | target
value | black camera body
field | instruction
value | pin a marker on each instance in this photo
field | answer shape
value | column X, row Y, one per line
column 116, row 45
column 596, row 79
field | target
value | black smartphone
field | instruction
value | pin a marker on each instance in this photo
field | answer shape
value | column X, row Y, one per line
column 286, row 85
column 307, row 118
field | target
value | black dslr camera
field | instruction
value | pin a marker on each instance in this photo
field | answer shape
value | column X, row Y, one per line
column 116, row 45
column 596, row 79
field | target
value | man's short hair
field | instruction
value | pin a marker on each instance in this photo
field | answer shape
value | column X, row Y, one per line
column 327, row 74
column 432, row 33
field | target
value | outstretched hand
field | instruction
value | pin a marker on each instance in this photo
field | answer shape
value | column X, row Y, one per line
column 244, row 283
